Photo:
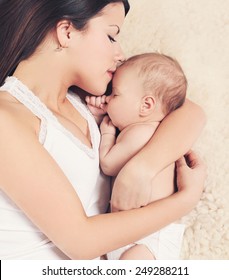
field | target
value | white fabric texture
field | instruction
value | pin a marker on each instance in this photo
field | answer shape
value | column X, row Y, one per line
column 196, row 33
column 19, row 238
column 164, row 244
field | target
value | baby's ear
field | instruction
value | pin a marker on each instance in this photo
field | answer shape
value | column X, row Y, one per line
column 148, row 104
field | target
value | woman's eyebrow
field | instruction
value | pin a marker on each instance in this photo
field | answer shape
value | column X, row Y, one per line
column 114, row 25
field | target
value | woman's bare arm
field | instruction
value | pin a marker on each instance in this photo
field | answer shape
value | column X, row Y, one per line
column 173, row 138
column 33, row 180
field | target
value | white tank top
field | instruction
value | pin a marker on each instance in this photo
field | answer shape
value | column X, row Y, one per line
column 19, row 238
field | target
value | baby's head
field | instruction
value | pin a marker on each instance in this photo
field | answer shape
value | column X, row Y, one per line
column 161, row 76
column 147, row 86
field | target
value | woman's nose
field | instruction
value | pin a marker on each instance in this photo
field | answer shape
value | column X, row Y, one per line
column 119, row 57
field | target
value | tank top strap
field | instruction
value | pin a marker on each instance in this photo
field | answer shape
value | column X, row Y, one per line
column 24, row 95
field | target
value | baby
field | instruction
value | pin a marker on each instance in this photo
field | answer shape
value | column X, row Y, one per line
column 145, row 89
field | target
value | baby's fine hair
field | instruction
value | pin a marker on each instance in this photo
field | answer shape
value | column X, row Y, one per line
column 162, row 77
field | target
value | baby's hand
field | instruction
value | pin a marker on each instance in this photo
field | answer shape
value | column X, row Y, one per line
column 96, row 105
column 107, row 126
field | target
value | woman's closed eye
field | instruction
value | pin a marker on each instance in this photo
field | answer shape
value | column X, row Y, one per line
column 111, row 39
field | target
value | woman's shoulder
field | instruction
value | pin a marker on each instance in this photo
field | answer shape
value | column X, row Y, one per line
column 14, row 115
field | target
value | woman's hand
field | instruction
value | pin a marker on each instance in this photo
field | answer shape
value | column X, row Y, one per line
column 191, row 174
column 128, row 193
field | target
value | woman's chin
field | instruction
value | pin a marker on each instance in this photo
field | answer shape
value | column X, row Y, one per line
column 99, row 91
column 96, row 90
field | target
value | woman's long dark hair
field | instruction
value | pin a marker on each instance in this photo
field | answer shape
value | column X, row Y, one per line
column 25, row 23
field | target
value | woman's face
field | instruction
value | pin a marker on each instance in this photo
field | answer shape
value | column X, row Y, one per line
column 97, row 52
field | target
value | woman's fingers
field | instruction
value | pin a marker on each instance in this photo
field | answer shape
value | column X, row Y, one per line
column 191, row 159
column 194, row 161
column 181, row 162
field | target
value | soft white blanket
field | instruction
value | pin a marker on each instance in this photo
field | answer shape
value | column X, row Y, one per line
column 196, row 33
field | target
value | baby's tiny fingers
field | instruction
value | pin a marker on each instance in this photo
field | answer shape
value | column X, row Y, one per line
column 98, row 101
column 103, row 98
column 87, row 99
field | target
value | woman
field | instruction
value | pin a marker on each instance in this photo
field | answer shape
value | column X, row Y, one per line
column 52, row 193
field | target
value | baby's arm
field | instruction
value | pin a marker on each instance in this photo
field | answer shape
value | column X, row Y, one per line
column 97, row 106
column 114, row 155
column 108, row 139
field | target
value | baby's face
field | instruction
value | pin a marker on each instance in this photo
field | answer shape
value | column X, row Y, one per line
column 124, row 102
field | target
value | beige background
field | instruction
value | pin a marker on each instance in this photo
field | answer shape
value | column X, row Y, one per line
column 196, row 33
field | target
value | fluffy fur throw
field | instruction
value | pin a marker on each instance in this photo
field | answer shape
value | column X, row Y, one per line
column 196, row 33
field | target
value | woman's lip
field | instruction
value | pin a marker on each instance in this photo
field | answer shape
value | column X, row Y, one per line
column 110, row 73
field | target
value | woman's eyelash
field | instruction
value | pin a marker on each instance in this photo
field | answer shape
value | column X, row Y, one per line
column 111, row 39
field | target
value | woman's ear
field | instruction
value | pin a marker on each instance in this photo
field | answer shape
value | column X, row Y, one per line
column 148, row 104
column 63, row 32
